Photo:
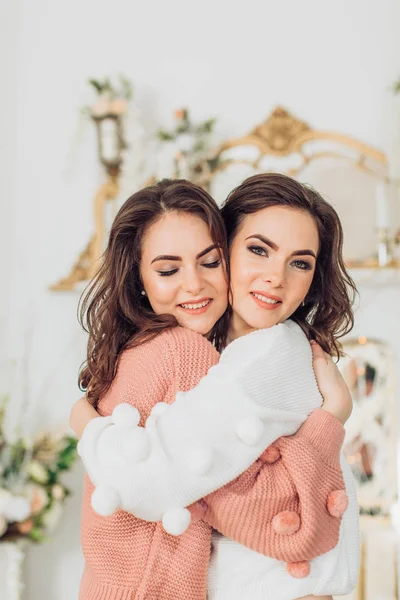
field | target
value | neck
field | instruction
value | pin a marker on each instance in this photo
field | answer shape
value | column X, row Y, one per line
column 238, row 328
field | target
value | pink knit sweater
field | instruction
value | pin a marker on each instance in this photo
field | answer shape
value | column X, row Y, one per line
column 130, row 559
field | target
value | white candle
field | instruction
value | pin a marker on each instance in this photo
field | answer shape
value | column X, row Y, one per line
column 382, row 206
column 109, row 139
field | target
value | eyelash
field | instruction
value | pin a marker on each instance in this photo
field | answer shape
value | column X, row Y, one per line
column 260, row 251
column 213, row 265
column 167, row 273
column 305, row 265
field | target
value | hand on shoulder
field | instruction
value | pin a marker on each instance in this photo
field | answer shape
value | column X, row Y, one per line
column 81, row 413
column 335, row 392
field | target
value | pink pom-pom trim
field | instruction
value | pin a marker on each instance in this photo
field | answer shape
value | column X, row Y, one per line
column 298, row 569
column 270, row 455
column 337, row 503
column 286, row 522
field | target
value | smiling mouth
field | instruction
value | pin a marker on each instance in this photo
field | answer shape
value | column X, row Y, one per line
column 265, row 301
column 196, row 307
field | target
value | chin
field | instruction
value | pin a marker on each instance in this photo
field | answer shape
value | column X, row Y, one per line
column 264, row 322
column 201, row 328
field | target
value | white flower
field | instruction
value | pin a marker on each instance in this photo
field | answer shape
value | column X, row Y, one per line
column 19, row 509
column 5, row 500
column 38, row 472
column 52, row 516
column 3, row 526
column 58, row 492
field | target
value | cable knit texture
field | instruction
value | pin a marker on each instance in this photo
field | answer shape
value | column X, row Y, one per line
column 127, row 558
column 244, row 509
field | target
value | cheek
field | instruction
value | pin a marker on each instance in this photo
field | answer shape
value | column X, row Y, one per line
column 301, row 286
column 241, row 271
column 160, row 291
column 221, row 283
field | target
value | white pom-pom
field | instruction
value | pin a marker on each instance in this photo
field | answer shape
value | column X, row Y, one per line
column 159, row 409
column 250, row 430
column 176, row 521
column 105, row 500
column 199, row 460
column 126, row 415
column 136, row 446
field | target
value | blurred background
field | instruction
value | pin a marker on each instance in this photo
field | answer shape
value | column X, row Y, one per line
column 210, row 91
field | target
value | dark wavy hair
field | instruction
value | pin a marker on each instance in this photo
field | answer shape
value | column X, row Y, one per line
column 112, row 309
column 326, row 313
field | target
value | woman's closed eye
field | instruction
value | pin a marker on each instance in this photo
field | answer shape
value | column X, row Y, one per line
column 209, row 265
column 167, row 272
column 212, row 265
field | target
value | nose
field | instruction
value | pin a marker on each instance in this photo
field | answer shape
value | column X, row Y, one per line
column 275, row 275
column 192, row 282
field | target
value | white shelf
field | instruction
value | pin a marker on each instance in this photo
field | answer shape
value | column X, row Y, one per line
column 386, row 276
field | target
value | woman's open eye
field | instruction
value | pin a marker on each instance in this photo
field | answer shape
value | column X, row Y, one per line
column 259, row 250
column 213, row 265
column 304, row 265
column 167, row 273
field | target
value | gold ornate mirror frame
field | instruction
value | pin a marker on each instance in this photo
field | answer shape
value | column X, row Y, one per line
column 282, row 135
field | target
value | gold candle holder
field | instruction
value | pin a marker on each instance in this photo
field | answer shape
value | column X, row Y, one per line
column 396, row 248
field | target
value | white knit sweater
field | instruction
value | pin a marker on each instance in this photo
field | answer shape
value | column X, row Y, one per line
column 263, row 388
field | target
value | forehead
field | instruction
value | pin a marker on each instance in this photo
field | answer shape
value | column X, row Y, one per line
column 176, row 234
column 290, row 228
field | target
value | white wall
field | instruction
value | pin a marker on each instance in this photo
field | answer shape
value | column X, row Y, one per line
column 8, row 49
column 329, row 62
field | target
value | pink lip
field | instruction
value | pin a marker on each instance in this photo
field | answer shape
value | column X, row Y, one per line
column 196, row 311
column 265, row 305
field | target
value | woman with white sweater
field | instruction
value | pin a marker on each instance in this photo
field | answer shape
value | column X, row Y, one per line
column 285, row 250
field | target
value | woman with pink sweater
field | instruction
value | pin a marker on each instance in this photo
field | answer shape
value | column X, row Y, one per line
column 294, row 248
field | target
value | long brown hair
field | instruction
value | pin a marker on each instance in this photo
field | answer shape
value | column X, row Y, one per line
column 326, row 313
column 112, row 309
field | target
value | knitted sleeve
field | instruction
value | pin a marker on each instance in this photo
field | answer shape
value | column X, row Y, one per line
column 193, row 357
column 296, row 475
column 263, row 388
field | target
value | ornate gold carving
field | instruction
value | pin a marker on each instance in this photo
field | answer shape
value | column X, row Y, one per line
column 280, row 131
column 86, row 265
column 282, row 134
column 279, row 134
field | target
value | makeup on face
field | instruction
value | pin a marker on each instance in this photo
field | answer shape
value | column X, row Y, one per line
column 273, row 258
column 182, row 271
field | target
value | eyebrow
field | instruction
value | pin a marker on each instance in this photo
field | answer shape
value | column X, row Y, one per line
column 267, row 242
column 171, row 257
